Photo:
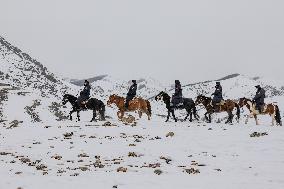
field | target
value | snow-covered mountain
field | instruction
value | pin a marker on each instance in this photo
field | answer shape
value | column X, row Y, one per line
column 28, row 86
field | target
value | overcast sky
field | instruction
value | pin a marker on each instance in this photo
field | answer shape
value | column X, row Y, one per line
column 189, row 40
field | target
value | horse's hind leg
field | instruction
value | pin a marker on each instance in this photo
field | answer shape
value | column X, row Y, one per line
column 188, row 112
column 94, row 116
column 273, row 119
column 206, row 118
column 78, row 115
column 102, row 113
column 256, row 120
column 149, row 116
column 230, row 118
column 210, row 120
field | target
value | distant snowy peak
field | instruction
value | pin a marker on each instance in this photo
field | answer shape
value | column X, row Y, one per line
column 147, row 87
column 20, row 70
column 91, row 80
column 236, row 86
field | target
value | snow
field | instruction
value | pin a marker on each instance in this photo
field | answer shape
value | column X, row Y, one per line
column 230, row 157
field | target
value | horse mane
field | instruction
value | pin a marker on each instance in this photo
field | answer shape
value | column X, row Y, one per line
column 246, row 99
column 205, row 97
column 69, row 96
column 117, row 96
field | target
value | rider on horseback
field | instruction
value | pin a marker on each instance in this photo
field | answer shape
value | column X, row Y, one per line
column 259, row 98
column 177, row 99
column 84, row 94
column 131, row 93
column 218, row 96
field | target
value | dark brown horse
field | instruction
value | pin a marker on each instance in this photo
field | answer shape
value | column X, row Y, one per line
column 228, row 106
column 137, row 104
column 268, row 109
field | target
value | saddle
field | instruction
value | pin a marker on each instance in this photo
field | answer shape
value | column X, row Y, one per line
column 261, row 109
column 217, row 106
column 177, row 106
column 83, row 104
column 222, row 103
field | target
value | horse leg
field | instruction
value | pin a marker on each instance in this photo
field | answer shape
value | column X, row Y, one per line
column 149, row 115
column 140, row 114
column 273, row 119
column 256, row 120
column 94, row 116
column 173, row 113
column 190, row 119
column 188, row 112
column 205, row 115
column 120, row 114
column 196, row 116
column 168, row 116
column 70, row 114
column 78, row 115
column 247, row 118
column 229, row 120
column 102, row 113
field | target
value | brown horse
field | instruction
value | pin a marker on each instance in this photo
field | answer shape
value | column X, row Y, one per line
column 228, row 106
column 142, row 106
column 270, row 109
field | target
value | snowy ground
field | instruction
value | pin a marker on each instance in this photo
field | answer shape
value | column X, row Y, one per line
column 34, row 156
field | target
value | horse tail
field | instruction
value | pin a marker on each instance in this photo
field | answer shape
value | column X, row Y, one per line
column 238, row 111
column 149, row 107
column 277, row 115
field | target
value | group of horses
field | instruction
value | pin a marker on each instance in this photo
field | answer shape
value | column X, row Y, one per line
column 143, row 106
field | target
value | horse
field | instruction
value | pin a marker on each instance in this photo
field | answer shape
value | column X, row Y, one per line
column 228, row 107
column 92, row 104
column 188, row 105
column 271, row 109
column 139, row 104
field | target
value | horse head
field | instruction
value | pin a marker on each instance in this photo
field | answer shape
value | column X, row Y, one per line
column 68, row 98
column 112, row 99
column 200, row 99
column 244, row 102
column 159, row 96
column 65, row 99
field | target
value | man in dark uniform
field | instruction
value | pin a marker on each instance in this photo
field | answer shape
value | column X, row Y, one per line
column 259, row 98
column 131, row 93
column 218, row 96
column 84, row 94
column 177, row 96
